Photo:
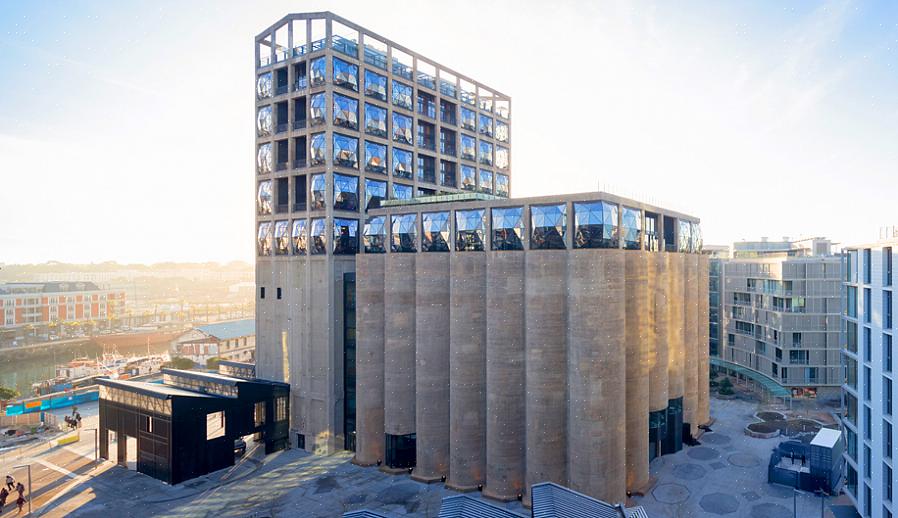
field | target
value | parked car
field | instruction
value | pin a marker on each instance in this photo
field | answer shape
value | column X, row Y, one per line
column 239, row 447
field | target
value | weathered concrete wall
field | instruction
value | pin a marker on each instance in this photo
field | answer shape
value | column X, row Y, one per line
column 467, row 364
column 704, row 411
column 638, row 342
column 596, row 374
column 545, row 318
column 505, row 390
column 675, row 319
column 432, row 366
column 658, row 292
column 370, row 359
column 399, row 344
column 690, row 330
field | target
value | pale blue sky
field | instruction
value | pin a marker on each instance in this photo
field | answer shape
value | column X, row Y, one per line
column 126, row 131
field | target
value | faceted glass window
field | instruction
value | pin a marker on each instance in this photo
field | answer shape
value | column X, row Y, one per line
column 375, row 120
column 346, row 193
column 502, row 185
column 375, row 192
column 485, row 125
column 263, row 121
column 375, row 85
column 264, row 158
column 318, row 188
column 346, row 236
column 501, row 157
column 346, row 112
column 263, row 85
column 346, row 151
column 300, row 237
column 375, row 237
column 402, row 163
column 317, row 149
column 318, row 237
column 404, row 233
column 346, row 75
column 435, row 232
column 468, row 119
column 468, row 178
column 486, row 181
column 468, row 147
column 501, row 131
column 508, row 228
column 402, row 95
column 263, row 199
column 486, row 153
column 548, row 224
column 685, row 237
column 402, row 192
column 595, row 225
column 697, row 240
column 402, row 129
column 469, row 229
column 317, row 109
column 375, row 157
column 317, row 74
column 281, row 237
column 263, row 239
column 631, row 228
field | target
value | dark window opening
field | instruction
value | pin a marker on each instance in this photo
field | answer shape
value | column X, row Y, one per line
column 301, row 81
column 651, row 232
column 447, row 112
column 282, row 154
column 299, row 152
column 282, row 117
column 279, row 293
column 299, row 193
column 426, row 135
column 262, row 292
column 447, row 173
column 427, row 105
column 282, row 191
column 447, row 142
column 670, row 236
column 426, row 169
column 349, row 360
column 281, row 78
column 400, row 450
column 299, row 113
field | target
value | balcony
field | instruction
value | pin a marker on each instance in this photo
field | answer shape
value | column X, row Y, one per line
column 300, row 206
column 281, row 208
column 447, row 88
column 281, row 90
column 426, row 80
column 301, row 84
column 281, row 127
column 299, row 124
column 281, row 166
column 300, row 163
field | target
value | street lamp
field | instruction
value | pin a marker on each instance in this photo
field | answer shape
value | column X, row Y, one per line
column 96, row 443
column 29, row 484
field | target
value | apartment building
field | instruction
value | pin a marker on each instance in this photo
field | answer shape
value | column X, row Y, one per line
column 41, row 304
column 869, row 389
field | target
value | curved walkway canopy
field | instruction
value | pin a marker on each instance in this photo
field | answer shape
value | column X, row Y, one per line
column 769, row 384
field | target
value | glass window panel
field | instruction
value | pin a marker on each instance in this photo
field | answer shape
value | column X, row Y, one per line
column 346, row 75
column 502, row 185
column 318, row 188
column 375, row 237
column 501, row 157
column 435, row 232
column 697, row 239
column 346, row 236
column 501, row 131
column 264, row 238
column 468, row 147
column 346, row 112
column 447, row 173
column 469, row 229
column 468, row 178
column 486, row 181
column 548, row 225
column 300, row 237
column 685, row 237
column 317, row 74
column 486, row 153
column 468, row 119
column 485, row 125
column 263, row 121
column 402, row 192
column 375, row 157
column 318, row 236
column 402, row 163
column 375, row 85
column 346, row 192
column 375, row 120
column 402, row 129
column 317, row 109
column 631, row 228
column 402, row 95
column 281, row 238
column 264, row 158
column 508, row 228
column 263, row 85
column 346, row 151
column 375, row 192
column 595, row 225
column 317, row 150
column 404, row 233
column 263, row 199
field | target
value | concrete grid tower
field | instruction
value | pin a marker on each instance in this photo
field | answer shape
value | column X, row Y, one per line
column 344, row 120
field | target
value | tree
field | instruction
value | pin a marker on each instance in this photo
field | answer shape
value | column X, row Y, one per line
column 726, row 387
column 179, row 362
column 212, row 363
column 7, row 393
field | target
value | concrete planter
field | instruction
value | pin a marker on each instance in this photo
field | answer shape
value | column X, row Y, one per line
column 761, row 435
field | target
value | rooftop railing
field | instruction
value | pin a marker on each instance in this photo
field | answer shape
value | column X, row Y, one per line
column 447, row 88
column 345, row 45
column 426, row 80
column 375, row 57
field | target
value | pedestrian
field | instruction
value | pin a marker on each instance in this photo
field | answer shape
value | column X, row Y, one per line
column 78, row 418
column 20, row 503
column 20, row 487
column 4, row 494
column 10, row 482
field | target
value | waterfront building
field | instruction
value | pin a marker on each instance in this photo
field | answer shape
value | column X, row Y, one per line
column 869, row 391
column 716, row 254
column 233, row 341
column 780, row 317
column 43, row 305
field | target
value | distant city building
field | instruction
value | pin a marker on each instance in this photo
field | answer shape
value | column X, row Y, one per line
column 869, row 392
column 780, row 312
column 716, row 254
column 44, row 303
column 232, row 341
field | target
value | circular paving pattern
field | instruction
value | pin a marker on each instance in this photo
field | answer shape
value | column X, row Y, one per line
column 689, row 471
column 670, row 493
column 719, row 503
column 703, row 453
column 715, row 438
column 744, row 460
column 770, row 511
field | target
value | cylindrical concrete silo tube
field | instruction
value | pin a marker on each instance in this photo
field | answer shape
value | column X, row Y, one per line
column 636, row 291
column 370, row 359
column 690, row 328
column 399, row 351
column 658, row 375
column 704, row 411
column 675, row 319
